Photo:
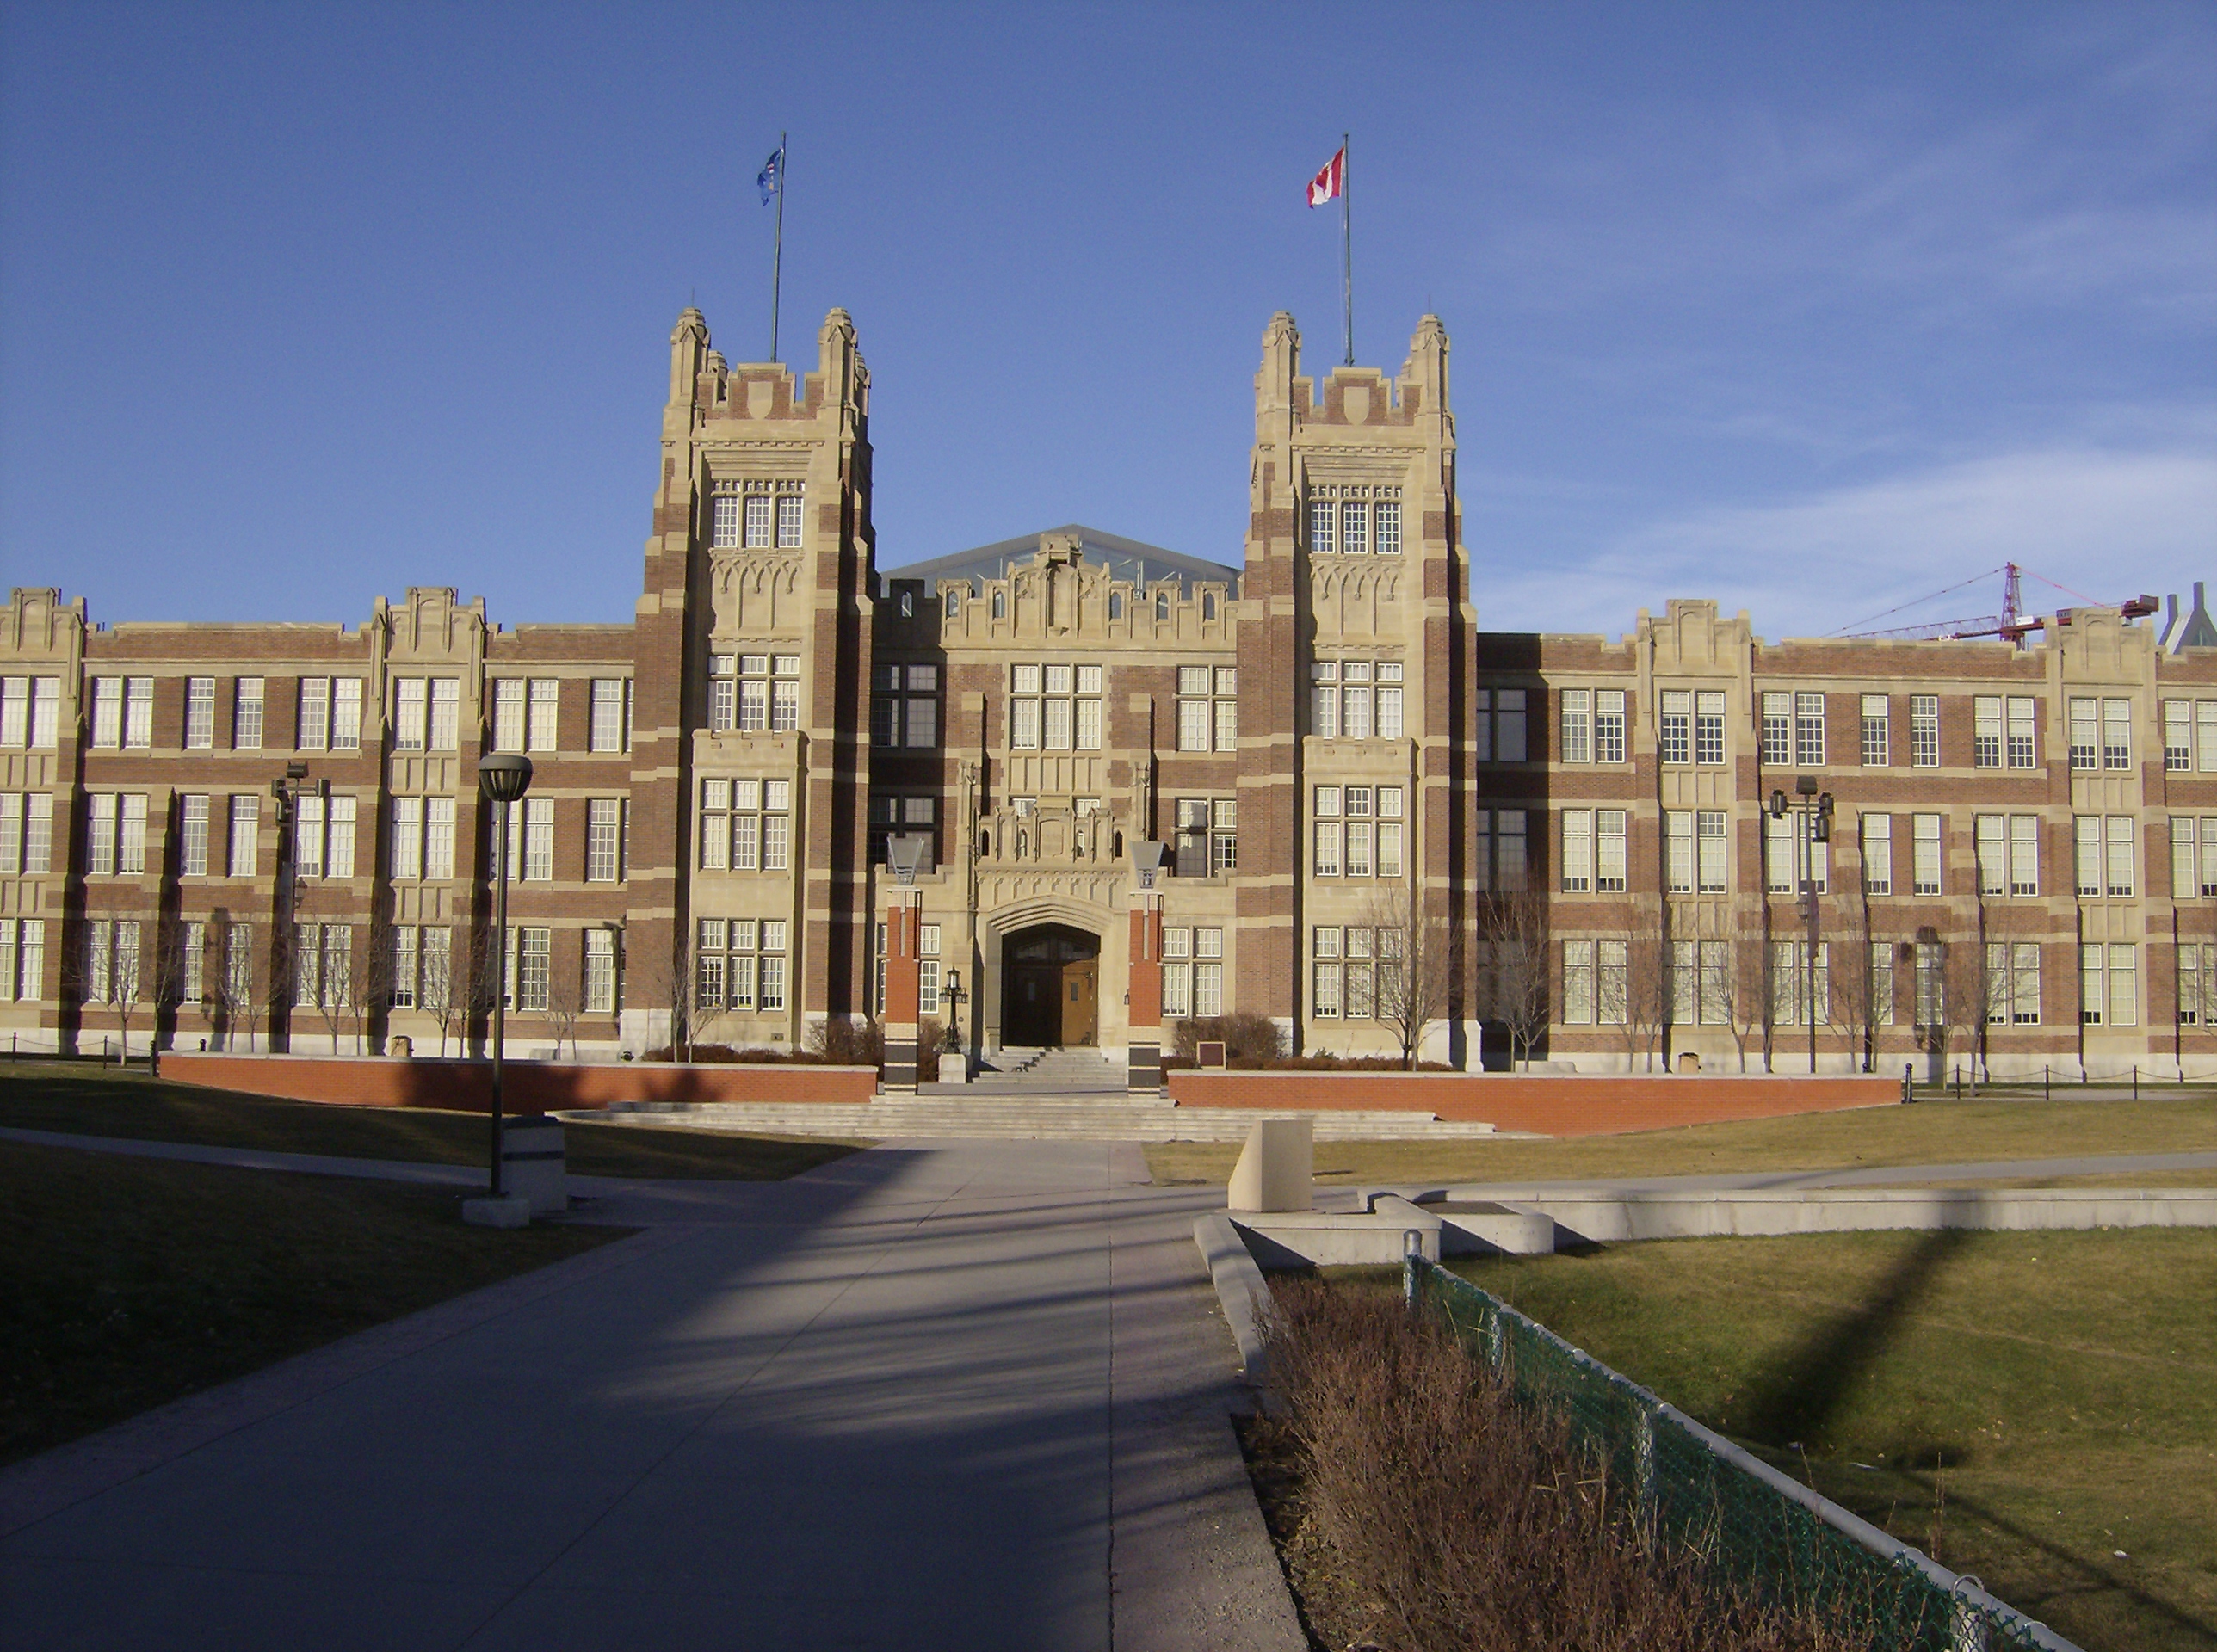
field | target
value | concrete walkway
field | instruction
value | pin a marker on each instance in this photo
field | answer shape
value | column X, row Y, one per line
column 964, row 1396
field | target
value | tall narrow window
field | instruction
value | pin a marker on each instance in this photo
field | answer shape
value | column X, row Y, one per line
column 603, row 839
column 1389, row 831
column 507, row 714
column 2116, row 734
column 406, row 851
column 107, row 713
column 438, row 838
column 2120, row 880
column 1322, row 535
column 245, row 834
column 1578, row 983
column 46, row 709
column 11, row 833
column 600, row 982
column 1576, row 742
column 1924, row 730
column 758, row 519
column 2086, row 853
column 313, row 728
column 2023, row 721
column 1781, row 854
column 1355, row 527
column 2024, row 855
column 611, row 723
column 346, row 714
column 38, row 832
column 1328, row 832
column 2085, row 734
column 1986, row 731
column 2177, row 735
column 1809, row 731
column 545, row 713
column 446, row 713
column 192, row 851
column 1389, row 528
column 1990, row 839
column 339, row 861
column 1674, row 729
column 1716, row 847
column 1609, row 725
column 411, row 713
column 1928, row 847
column 139, row 713
column 789, row 521
column 1577, row 851
column 724, row 521
column 1609, row 849
column 1777, row 729
column 1709, row 725
column 1878, row 741
column 199, row 713
column 1678, row 851
column 14, row 714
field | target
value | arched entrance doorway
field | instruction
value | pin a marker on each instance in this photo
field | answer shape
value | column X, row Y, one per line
column 1050, row 987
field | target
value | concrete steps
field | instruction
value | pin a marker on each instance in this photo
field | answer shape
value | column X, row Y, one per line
column 1081, row 1117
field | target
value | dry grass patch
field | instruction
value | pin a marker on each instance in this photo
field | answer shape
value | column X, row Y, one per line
column 95, row 1101
column 126, row 1282
column 1935, row 1133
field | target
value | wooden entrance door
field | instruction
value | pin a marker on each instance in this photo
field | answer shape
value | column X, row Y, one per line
column 1050, row 987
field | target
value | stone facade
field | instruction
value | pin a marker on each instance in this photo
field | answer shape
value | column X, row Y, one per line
column 270, row 836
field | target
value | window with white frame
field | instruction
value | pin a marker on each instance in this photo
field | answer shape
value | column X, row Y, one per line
column 609, row 729
column 2197, row 985
column 115, row 833
column 530, row 965
column 1578, row 857
column 1355, row 521
column 438, row 839
column 1193, row 972
column 323, row 836
column 112, row 972
column 741, row 965
column 604, row 835
column 2116, row 734
column 1678, row 851
column 1716, row 983
column 531, row 841
column 904, row 707
column 1792, row 982
column 509, row 702
column 1878, row 732
column 1673, row 729
column 245, row 834
column 330, row 716
column 2104, row 855
column 1713, row 839
column 247, row 715
column 1695, row 851
column 28, row 711
column 2108, row 984
column 1578, row 983
column 22, row 959
column 1056, row 708
column 1344, row 965
column 2190, row 735
column 400, row 991
column 2013, row 982
column 1502, row 733
column 600, row 972
column 2118, row 860
column 11, row 833
column 1502, row 859
column 753, row 692
column 107, row 713
column 1358, row 831
column 1608, row 850
column 746, row 825
column 1926, row 847
column 2008, row 851
column 1986, row 731
column 2086, row 722
column 1777, row 728
column 323, row 966
column 756, row 516
column 1355, row 699
column 1592, row 725
column 1207, row 836
column 2023, row 722
column 1924, row 730
column 1881, row 957
column 199, row 713
column 426, row 713
column 543, row 716
column 1609, row 725
column 1781, row 854
column 1809, row 731
column 2024, row 855
column 406, row 847
column 1207, row 708
column 1708, row 726
column 192, row 835
column 2193, row 857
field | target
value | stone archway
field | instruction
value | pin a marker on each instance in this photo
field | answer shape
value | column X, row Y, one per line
column 1050, row 987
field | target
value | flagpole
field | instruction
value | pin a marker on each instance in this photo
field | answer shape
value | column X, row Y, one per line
column 777, row 257
column 1347, row 240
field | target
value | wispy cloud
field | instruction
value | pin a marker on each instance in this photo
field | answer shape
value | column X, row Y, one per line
column 2108, row 521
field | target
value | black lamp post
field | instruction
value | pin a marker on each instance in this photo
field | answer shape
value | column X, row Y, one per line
column 502, row 779
column 1813, row 810
column 954, row 995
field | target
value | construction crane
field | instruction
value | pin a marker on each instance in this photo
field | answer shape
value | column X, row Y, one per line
column 2012, row 624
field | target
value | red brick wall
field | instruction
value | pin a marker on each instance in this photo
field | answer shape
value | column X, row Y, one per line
column 527, row 1086
column 1552, row 1105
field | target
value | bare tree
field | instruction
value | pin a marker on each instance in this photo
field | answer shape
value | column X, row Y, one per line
column 239, row 989
column 1739, row 977
column 1514, row 928
column 1646, row 995
column 1856, row 1009
column 173, row 972
column 373, row 977
column 439, row 994
column 565, row 1003
column 1971, row 989
column 326, row 982
column 671, row 975
column 1416, row 965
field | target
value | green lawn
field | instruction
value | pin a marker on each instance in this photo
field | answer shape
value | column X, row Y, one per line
column 90, row 1101
column 125, row 1283
column 1936, row 1132
column 2023, row 1406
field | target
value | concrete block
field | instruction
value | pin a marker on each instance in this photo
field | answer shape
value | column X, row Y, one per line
column 1484, row 1228
column 509, row 1210
column 533, row 1163
column 1333, row 1239
column 1278, row 1167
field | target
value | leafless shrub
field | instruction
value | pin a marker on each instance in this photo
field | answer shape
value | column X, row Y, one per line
column 1248, row 1038
column 1437, row 1513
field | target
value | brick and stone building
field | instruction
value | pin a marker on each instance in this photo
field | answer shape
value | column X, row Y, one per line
column 270, row 836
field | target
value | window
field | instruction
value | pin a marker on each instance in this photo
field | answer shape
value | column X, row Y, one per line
column 1881, row 983
column 313, row 727
column 1177, row 973
column 1878, row 733
column 2190, row 735
column 530, row 959
column 407, row 947
column 2024, row 855
column 411, row 713
column 323, row 836
column 1609, row 725
column 1344, row 969
column 1355, row 527
column 1926, row 846
column 1355, row 522
column 741, row 965
column 1678, row 851
column 2023, row 716
column 600, row 982
column 122, row 712
column 1675, row 731
column 22, row 959
column 107, row 713
column 2008, row 854
column 1715, row 844
column 1709, row 725
column 2086, row 853
column 1793, row 982
column 1986, row 731
column 757, row 517
column 346, row 714
column 904, row 706
column 199, row 713
column 1878, row 854
column 2108, row 984
column 1777, row 728
column 2116, row 734
column 610, row 729
column 2197, row 985
column 1577, row 851
column 891, row 814
column 112, row 962
column 1578, row 983
column 1989, row 846
column 1501, row 863
column 1043, row 713
column 323, row 966
column 1389, row 831
column 245, row 834
column 1781, row 854
column 446, row 713
column 115, row 833
column 531, row 841
column 438, row 838
column 1809, row 731
column 2118, row 862
column 507, row 714
column 2193, row 857
column 604, row 840
column 1501, row 726
column 789, row 521
column 752, row 693
column 1609, row 849
column 1355, row 699
column 11, row 832
column 2085, row 733
column 1207, row 836
column 746, row 825
column 193, row 849
column 1924, row 730
column 407, row 846
column 1207, row 708
column 1388, row 514
column 238, row 964
column 2013, row 984
column 724, row 521
column 544, row 717
column 1329, row 833
column 1575, row 742
column 750, row 514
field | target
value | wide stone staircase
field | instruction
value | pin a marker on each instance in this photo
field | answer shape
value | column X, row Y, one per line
column 1027, row 1095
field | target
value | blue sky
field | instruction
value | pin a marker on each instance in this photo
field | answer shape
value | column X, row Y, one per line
column 1813, row 309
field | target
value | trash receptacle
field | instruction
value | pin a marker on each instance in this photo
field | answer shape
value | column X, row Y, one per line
column 1690, row 1061
column 400, row 1046
column 533, row 1162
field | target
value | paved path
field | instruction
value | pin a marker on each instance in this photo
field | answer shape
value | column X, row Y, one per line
column 964, row 1394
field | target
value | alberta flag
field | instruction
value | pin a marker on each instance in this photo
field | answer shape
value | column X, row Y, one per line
column 771, row 178
column 1327, row 184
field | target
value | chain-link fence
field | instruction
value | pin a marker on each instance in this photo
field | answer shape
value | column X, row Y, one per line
column 1765, row 1530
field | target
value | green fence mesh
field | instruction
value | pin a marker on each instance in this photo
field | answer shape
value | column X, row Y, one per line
column 1764, row 1530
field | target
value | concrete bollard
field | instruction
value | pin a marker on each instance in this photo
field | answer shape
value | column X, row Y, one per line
column 533, row 1163
column 1278, row 1167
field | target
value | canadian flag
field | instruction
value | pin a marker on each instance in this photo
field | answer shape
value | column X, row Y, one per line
column 1327, row 184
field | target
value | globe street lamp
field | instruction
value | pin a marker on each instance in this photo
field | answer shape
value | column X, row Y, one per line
column 502, row 779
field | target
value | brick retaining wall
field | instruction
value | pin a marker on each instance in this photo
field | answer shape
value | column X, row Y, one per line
column 1552, row 1106
column 528, row 1086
